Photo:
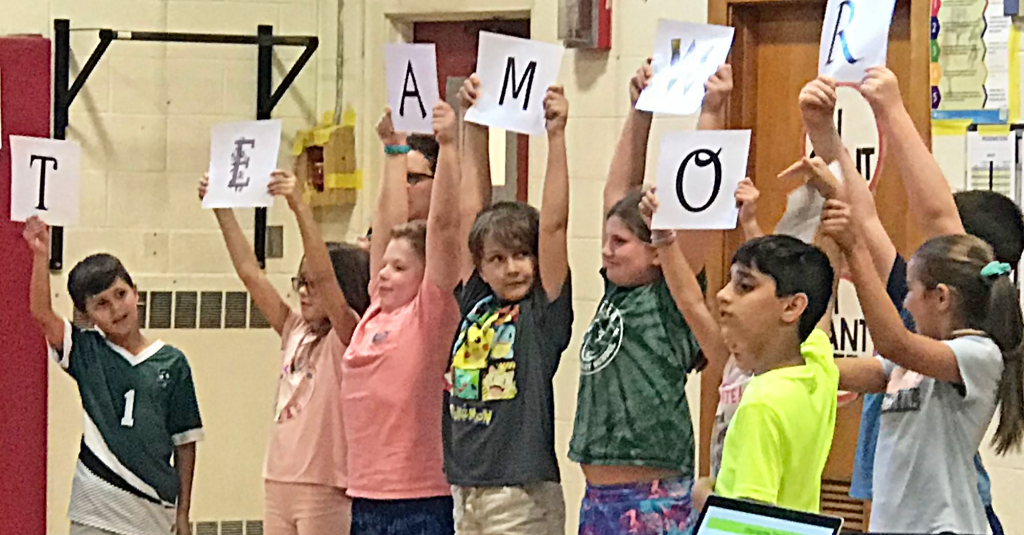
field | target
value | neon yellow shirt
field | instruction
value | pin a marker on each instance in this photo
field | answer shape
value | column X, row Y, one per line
column 780, row 437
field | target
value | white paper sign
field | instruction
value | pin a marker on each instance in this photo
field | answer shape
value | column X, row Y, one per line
column 854, row 37
column 45, row 179
column 242, row 156
column 411, row 71
column 514, row 77
column 685, row 55
column 698, row 174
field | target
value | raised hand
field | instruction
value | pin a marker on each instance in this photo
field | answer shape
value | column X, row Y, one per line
column 717, row 88
column 386, row 130
column 836, row 223
column 818, row 102
column 648, row 206
column 746, row 199
column 815, row 172
column 469, row 92
column 37, row 235
column 285, row 184
column 882, row 91
column 444, row 124
column 556, row 109
column 639, row 81
column 204, row 185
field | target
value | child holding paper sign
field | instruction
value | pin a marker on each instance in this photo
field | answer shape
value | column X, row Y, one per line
column 516, row 304
column 138, row 398
column 633, row 434
column 989, row 216
column 394, row 366
column 305, row 474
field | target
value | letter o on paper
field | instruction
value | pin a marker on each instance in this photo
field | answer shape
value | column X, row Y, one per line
column 701, row 158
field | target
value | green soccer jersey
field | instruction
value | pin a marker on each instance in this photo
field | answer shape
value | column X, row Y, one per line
column 631, row 407
column 137, row 409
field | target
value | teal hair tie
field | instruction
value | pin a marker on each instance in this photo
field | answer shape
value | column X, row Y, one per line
column 995, row 269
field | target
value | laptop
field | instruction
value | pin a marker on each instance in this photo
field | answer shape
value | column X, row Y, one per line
column 724, row 516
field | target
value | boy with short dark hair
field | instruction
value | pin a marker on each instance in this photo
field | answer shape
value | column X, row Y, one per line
column 774, row 312
column 138, row 398
column 516, row 305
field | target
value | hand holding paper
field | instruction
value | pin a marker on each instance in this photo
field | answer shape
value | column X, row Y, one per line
column 37, row 236
column 882, row 91
column 469, row 92
column 818, row 103
column 639, row 82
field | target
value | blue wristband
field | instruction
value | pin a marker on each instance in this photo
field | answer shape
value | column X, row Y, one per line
column 396, row 149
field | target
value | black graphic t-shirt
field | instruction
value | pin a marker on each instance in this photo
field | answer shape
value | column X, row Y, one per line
column 499, row 419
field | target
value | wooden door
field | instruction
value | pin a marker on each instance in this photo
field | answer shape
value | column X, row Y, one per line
column 774, row 54
column 456, row 44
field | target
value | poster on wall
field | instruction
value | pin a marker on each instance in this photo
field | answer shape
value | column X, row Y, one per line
column 972, row 52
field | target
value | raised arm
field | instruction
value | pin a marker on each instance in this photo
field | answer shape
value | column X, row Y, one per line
column 37, row 235
column 316, row 260
column 553, row 254
column 443, row 247
column 264, row 295
column 928, row 193
column 476, row 170
column 746, row 198
column 685, row 290
column 626, row 173
column 393, row 197
column 817, row 104
column 695, row 244
column 912, row 351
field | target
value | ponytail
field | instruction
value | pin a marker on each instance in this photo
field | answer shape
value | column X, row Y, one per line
column 1006, row 327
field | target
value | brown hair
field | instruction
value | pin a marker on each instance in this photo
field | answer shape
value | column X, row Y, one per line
column 628, row 210
column 986, row 303
column 352, row 269
column 513, row 225
column 416, row 234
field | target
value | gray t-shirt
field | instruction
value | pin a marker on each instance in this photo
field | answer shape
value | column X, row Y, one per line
column 924, row 480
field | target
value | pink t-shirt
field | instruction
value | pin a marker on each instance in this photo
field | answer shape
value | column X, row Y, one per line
column 307, row 438
column 394, row 382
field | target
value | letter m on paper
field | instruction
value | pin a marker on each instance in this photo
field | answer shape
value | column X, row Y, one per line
column 526, row 81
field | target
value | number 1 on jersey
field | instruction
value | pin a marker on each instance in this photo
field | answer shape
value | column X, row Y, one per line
column 129, row 409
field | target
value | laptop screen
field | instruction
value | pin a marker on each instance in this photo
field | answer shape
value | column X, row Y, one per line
column 731, row 517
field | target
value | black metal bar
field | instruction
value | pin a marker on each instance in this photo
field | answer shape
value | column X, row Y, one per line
column 61, row 103
column 264, row 107
column 286, row 82
column 183, row 37
column 106, row 37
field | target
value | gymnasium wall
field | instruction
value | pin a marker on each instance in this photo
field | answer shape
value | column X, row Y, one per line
column 143, row 120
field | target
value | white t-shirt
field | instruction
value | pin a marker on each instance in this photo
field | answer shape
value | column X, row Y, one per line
column 925, row 480
column 734, row 380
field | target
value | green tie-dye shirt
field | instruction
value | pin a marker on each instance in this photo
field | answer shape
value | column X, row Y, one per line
column 632, row 408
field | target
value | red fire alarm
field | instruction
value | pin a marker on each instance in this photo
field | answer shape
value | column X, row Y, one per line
column 586, row 24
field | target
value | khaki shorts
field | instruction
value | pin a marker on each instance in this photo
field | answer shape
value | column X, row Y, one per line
column 537, row 509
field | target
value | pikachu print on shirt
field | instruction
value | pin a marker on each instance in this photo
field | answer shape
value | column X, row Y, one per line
column 483, row 366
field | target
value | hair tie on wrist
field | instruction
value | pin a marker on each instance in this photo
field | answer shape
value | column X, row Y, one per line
column 396, row 149
column 996, row 269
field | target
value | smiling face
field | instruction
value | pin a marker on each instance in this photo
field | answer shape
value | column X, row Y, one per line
column 628, row 261
column 115, row 310
column 400, row 277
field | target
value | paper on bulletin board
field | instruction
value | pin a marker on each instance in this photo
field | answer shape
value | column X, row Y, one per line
column 974, row 50
column 990, row 161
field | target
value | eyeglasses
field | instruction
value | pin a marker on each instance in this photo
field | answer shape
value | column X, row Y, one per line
column 299, row 283
column 416, row 178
